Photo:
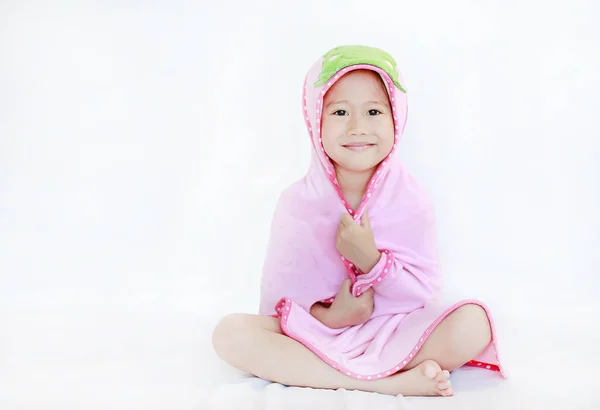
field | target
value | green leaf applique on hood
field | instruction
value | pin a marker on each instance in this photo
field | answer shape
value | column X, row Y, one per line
column 345, row 56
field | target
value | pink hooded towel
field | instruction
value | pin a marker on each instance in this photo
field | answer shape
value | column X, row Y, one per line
column 303, row 266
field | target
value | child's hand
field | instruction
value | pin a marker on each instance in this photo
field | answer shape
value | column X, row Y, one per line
column 356, row 243
column 347, row 310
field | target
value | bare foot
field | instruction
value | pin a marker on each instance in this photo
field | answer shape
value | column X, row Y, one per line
column 426, row 379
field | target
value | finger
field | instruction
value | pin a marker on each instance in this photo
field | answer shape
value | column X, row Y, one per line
column 365, row 219
column 367, row 294
column 346, row 219
column 346, row 285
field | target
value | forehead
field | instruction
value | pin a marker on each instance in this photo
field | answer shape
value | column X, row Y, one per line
column 358, row 82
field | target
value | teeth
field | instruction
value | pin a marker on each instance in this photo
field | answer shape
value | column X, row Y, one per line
column 358, row 147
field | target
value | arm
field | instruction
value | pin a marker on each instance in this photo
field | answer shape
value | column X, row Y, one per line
column 400, row 276
column 346, row 310
column 326, row 316
column 332, row 319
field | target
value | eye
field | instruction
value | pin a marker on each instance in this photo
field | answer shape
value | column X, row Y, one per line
column 340, row 112
column 374, row 112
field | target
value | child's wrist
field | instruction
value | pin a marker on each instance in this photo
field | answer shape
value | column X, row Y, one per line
column 369, row 261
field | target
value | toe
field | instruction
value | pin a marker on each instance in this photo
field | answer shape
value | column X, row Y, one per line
column 443, row 385
column 446, row 392
column 443, row 375
column 431, row 369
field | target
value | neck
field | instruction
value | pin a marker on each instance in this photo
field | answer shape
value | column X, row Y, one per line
column 353, row 182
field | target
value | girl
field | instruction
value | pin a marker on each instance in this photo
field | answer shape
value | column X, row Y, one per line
column 350, row 281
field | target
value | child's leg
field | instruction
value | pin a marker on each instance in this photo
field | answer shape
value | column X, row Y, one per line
column 255, row 344
column 459, row 338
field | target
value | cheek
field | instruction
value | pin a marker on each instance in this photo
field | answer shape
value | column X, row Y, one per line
column 385, row 130
column 329, row 133
column 386, row 135
column 327, row 139
column 330, row 146
column 329, row 127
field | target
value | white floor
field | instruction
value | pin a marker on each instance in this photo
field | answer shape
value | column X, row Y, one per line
column 149, row 360
column 553, row 360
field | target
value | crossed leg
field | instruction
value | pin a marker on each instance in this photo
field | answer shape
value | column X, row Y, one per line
column 255, row 344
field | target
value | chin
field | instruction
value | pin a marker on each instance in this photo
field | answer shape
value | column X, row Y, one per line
column 357, row 167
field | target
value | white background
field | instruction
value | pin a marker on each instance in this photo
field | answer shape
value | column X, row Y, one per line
column 143, row 146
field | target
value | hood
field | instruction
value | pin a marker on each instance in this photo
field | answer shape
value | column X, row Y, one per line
column 325, row 72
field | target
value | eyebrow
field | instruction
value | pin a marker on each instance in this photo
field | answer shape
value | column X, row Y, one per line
column 346, row 101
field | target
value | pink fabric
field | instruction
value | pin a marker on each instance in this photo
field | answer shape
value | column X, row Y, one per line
column 303, row 266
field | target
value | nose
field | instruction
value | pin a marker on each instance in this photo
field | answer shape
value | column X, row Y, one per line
column 356, row 126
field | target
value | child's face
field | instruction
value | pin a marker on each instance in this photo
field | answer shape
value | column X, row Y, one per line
column 357, row 125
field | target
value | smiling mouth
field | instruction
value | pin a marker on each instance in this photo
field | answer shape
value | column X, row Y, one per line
column 358, row 146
